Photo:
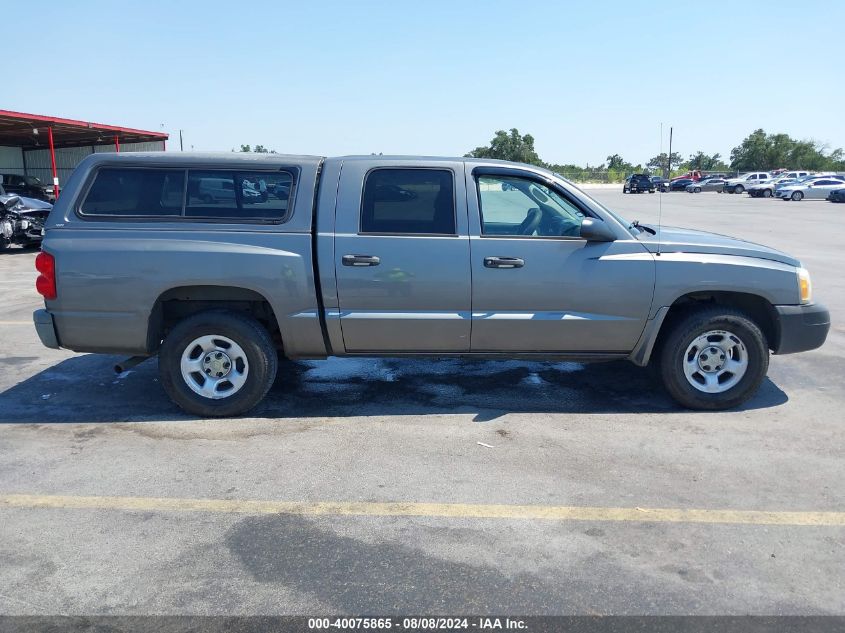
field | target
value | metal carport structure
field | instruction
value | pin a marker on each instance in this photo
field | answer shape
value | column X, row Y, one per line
column 33, row 144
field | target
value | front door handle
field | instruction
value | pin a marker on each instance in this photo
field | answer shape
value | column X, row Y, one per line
column 503, row 262
column 360, row 260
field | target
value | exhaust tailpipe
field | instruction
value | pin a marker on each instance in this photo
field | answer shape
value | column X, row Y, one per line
column 129, row 363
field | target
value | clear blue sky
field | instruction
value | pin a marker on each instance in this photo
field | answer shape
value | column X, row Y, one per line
column 431, row 77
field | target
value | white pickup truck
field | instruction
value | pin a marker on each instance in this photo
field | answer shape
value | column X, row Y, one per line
column 745, row 181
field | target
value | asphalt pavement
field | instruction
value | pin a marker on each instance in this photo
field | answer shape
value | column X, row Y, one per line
column 437, row 486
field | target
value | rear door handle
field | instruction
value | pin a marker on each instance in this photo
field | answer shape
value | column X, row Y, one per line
column 360, row 260
column 503, row 262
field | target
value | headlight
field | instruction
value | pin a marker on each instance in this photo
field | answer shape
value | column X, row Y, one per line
column 805, row 287
column 24, row 225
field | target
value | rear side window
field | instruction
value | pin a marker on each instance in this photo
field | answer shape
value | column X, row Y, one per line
column 208, row 194
column 417, row 201
column 238, row 195
column 135, row 192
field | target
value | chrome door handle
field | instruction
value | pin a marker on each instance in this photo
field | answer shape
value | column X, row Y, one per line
column 360, row 260
column 503, row 262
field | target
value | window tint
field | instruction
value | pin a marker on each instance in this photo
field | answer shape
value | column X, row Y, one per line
column 238, row 195
column 519, row 206
column 408, row 201
column 135, row 192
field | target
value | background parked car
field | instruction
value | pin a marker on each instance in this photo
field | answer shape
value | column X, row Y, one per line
column 660, row 183
column 816, row 189
column 21, row 220
column 837, row 195
column 766, row 188
column 638, row 183
column 708, row 184
column 680, row 184
column 695, row 174
column 744, row 181
column 28, row 186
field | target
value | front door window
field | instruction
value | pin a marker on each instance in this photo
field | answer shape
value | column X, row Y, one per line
column 516, row 206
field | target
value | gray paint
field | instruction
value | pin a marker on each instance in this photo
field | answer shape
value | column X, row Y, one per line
column 428, row 295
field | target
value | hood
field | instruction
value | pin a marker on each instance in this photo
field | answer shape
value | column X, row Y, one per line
column 678, row 240
column 28, row 204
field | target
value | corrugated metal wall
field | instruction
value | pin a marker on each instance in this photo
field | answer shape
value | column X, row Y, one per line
column 38, row 160
column 11, row 160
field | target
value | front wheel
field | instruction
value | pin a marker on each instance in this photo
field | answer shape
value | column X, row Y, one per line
column 767, row 193
column 739, row 189
column 714, row 359
column 697, row 190
column 217, row 363
column 797, row 195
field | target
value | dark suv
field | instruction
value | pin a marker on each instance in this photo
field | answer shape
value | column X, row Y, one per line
column 638, row 183
column 28, row 186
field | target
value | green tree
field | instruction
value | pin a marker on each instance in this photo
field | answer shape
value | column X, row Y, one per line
column 258, row 149
column 659, row 162
column 513, row 147
column 759, row 150
column 616, row 163
column 706, row 162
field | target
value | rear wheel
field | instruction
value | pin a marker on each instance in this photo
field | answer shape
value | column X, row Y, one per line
column 714, row 359
column 797, row 195
column 217, row 363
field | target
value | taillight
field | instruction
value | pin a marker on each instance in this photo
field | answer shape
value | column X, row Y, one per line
column 46, row 282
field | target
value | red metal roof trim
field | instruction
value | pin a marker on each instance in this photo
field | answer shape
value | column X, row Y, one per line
column 23, row 116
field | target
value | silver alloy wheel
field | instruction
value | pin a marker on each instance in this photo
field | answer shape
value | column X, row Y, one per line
column 214, row 367
column 797, row 195
column 715, row 361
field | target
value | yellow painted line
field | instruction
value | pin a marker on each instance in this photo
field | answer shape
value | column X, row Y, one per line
column 436, row 510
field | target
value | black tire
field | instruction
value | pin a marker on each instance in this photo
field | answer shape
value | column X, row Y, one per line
column 248, row 333
column 681, row 335
column 797, row 196
column 624, row 190
column 766, row 193
column 738, row 189
column 697, row 190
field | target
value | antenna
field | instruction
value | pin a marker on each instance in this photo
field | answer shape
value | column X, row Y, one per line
column 660, row 202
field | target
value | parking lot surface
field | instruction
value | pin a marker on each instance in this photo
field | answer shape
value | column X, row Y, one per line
column 397, row 486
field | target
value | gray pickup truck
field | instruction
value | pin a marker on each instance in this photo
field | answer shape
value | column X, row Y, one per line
column 222, row 264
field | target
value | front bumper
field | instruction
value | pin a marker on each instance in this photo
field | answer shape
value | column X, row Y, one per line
column 45, row 328
column 801, row 328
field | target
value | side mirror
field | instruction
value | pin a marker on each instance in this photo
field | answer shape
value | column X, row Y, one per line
column 594, row 230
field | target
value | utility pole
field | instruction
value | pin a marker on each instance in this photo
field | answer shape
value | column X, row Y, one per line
column 181, row 148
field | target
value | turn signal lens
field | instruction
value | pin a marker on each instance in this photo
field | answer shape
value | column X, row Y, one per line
column 805, row 288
